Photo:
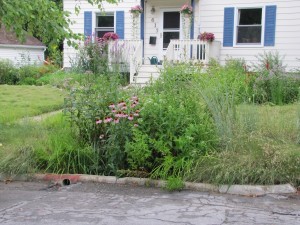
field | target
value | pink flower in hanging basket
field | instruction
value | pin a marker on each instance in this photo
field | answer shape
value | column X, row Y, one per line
column 136, row 9
column 186, row 9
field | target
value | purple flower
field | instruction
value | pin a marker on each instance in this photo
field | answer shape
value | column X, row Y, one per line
column 108, row 120
column 134, row 98
column 99, row 121
column 121, row 104
column 130, row 117
column 116, row 120
column 112, row 106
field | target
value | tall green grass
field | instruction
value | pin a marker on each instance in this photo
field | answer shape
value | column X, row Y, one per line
column 49, row 146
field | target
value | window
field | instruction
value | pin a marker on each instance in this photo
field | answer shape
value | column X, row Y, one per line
column 104, row 23
column 249, row 26
column 171, row 27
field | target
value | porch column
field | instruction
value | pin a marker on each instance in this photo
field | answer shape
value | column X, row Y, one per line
column 142, row 19
column 192, row 20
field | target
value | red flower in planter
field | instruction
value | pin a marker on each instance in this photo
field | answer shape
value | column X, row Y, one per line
column 206, row 37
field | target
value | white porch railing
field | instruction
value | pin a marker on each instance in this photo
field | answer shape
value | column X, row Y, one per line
column 121, row 54
column 192, row 50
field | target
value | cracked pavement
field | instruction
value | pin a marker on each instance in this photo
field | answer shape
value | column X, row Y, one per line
column 33, row 203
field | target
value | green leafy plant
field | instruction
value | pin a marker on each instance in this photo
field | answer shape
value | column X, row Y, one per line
column 174, row 126
column 8, row 72
column 272, row 83
column 174, row 184
column 92, row 56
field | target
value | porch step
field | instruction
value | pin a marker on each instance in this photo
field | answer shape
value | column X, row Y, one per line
column 146, row 73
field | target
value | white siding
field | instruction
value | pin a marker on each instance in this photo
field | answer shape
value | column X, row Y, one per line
column 287, row 37
column 152, row 22
column 22, row 55
column 78, row 26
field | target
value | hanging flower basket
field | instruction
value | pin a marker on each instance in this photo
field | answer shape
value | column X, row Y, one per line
column 136, row 10
column 186, row 10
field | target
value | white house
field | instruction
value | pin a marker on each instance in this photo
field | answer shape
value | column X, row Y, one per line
column 29, row 52
column 242, row 29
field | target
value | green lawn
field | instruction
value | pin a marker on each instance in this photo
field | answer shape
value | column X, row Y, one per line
column 21, row 101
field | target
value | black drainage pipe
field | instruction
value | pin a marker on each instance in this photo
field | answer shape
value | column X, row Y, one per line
column 66, row 182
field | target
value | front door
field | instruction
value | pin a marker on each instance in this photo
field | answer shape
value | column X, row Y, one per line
column 170, row 29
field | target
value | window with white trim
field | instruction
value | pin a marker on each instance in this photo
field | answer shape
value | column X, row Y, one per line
column 249, row 28
column 104, row 23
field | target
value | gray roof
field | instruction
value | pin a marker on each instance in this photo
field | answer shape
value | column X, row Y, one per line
column 10, row 38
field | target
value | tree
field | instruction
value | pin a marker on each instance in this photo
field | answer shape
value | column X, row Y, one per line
column 43, row 19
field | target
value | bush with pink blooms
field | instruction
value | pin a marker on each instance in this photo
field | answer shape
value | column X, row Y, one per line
column 93, row 54
column 110, row 36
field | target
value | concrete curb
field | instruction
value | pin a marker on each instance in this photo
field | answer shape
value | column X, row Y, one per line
column 244, row 190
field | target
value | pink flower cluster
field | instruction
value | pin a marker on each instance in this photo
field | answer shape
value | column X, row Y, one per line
column 110, row 36
column 207, row 37
column 186, row 9
column 89, row 40
column 136, row 9
column 122, row 110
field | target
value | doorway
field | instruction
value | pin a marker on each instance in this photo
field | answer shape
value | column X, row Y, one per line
column 170, row 28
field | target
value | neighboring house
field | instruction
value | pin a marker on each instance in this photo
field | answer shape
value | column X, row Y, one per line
column 242, row 28
column 29, row 52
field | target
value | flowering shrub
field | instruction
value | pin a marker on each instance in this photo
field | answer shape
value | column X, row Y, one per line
column 207, row 37
column 186, row 9
column 92, row 56
column 115, row 128
column 121, row 112
column 136, row 9
column 110, row 36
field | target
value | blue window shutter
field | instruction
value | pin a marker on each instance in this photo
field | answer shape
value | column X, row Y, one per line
column 193, row 19
column 88, row 30
column 270, row 25
column 120, row 29
column 228, row 27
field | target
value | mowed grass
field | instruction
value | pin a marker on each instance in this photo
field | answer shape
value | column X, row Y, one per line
column 22, row 101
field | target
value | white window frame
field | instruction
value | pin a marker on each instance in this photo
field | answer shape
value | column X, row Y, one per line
column 103, row 14
column 236, row 21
